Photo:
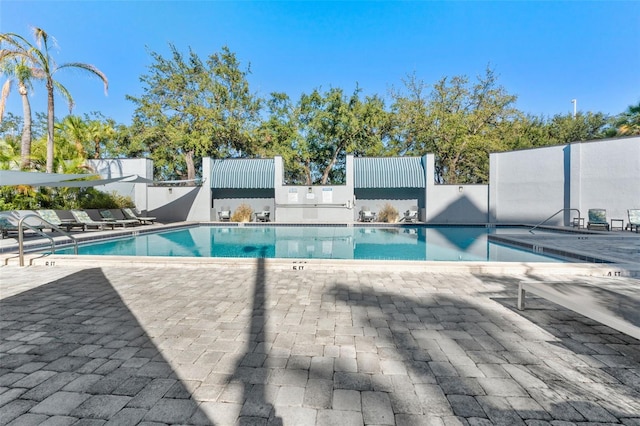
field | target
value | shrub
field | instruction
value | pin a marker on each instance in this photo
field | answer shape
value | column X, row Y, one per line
column 388, row 214
column 242, row 214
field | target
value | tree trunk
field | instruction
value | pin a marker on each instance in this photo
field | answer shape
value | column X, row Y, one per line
column 307, row 172
column 25, row 148
column 191, row 169
column 327, row 170
column 50, row 120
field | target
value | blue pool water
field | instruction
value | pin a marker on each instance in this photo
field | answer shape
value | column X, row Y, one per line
column 453, row 243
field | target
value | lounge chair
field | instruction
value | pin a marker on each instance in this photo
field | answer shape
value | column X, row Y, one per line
column 135, row 214
column 224, row 215
column 116, row 216
column 366, row 215
column 598, row 219
column 52, row 217
column 35, row 222
column 7, row 224
column 263, row 216
column 83, row 217
column 634, row 219
column 410, row 215
column 9, row 221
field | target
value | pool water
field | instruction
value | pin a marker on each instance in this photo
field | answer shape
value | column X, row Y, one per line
column 444, row 243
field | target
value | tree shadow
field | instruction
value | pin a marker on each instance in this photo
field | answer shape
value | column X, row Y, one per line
column 479, row 363
column 256, row 407
column 73, row 348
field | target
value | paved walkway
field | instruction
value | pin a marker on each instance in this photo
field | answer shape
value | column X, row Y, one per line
column 258, row 345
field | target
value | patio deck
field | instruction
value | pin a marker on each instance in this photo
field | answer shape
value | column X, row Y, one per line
column 256, row 343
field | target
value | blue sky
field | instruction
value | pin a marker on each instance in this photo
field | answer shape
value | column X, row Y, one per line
column 545, row 52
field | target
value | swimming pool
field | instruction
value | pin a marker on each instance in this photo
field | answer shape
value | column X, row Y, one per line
column 441, row 243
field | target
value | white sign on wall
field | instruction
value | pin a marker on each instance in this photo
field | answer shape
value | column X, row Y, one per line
column 293, row 195
column 327, row 195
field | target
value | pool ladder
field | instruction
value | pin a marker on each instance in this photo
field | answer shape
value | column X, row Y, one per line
column 22, row 224
column 552, row 216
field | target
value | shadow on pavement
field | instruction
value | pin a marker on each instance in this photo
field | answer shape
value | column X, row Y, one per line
column 71, row 349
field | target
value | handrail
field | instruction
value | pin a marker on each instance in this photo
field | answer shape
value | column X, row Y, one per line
column 553, row 215
column 22, row 223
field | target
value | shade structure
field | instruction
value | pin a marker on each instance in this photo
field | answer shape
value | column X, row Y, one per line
column 15, row 177
column 389, row 172
column 243, row 173
column 84, row 183
column 136, row 179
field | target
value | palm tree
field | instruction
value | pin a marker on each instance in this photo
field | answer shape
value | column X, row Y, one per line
column 629, row 122
column 44, row 67
column 19, row 71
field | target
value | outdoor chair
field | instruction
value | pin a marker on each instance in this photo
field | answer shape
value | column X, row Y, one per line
column 7, row 224
column 135, row 214
column 53, row 218
column 83, row 217
column 263, row 216
column 224, row 215
column 116, row 216
column 34, row 222
column 597, row 219
column 366, row 215
column 410, row 215
column 634, row 219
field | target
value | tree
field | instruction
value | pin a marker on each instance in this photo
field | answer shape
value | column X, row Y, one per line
column 459, row 123
column 18, row 70
column 628, row 123
column 190, row 109
column 564, row 128
column 44, row 67
column 281, row 134
column 334, row 125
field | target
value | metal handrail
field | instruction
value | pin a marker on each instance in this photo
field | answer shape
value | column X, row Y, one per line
column 22, row 223
column 552, row 216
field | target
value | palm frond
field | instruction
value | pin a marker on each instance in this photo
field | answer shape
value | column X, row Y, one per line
column 91, row 69
column 6, row 89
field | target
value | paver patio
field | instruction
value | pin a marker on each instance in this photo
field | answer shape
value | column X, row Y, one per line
column 260, row 345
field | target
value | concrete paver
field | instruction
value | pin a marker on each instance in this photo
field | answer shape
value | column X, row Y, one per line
column 266, row 345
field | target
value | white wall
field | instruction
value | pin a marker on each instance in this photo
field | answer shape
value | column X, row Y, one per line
column 527, row 186
column 461, row 204
column 530, row 185
column 457, row 204
column 324, row 204
column 606, row 174
column 111, row 168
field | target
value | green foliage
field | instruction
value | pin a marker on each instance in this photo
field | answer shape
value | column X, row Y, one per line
column 25, row 197
column 628, row 123
column 192, row 108
column 243, row 213
column 388, row 214
column 42, row 66
column 460, row 123
column 94, row 199
column 335, row 125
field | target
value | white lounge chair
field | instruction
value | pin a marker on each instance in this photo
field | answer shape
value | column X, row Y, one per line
column 264, row 215
column 224, row 215
column 83, row 217
column 366, row 215
column 410, row 215
column 53, row 218
column 135, row 214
